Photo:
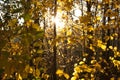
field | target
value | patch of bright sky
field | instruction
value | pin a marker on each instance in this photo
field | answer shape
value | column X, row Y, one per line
column 1, row 13
column 77, row 12
column 60, row 23
column 1, row 2
column 21, row 21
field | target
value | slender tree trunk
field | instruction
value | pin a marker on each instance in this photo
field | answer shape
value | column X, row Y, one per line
column 54, row 47
column 89, row 51
column 104, row 22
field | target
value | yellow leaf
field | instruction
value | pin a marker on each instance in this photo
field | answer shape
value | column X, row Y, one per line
column 99, row 41
column 111, row 37
column 66, row 76
column 92, row 48
column 59, row 72
column 82, row 79
column 12, row 22
column 36, row 26
column 37, row 72
column 115, row 48
column 40, row 51
column 75, row 74
column 112, row 78
column 38, row 3
column 93, row 61
column 110, row 47
column 19, row 77
column 91, row 28
column 74, row 78
column 118, row 53
column 77, row 69
column 30, row 70
column 70, row 0
column 59, row 1
column 103, row 47
column 90, row 37
column 28, row 24
column 115, row 34
column 70, row 40
column 89, row 70
column 107, row 1
column 98, row 18
column 45, row 76
column 81, row 62
column 99, row 6
column 88, row 0
column 69, row 33
column 27, row 67
column 97, row 65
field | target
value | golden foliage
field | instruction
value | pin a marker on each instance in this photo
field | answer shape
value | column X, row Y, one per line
column 60, row 73
column 66, row 76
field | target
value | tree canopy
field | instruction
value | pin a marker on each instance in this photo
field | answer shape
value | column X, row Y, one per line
column 59, row 39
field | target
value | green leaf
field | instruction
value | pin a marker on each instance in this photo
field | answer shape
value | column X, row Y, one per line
column 39, row 34
column 27, row 17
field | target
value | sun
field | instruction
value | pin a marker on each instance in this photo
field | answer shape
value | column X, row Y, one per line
column 59, row 21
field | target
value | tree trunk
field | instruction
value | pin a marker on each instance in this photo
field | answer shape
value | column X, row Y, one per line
column 54, row 47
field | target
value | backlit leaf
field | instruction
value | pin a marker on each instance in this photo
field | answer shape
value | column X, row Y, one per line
column 66, row 76
column 59, row 72
column 40, row 51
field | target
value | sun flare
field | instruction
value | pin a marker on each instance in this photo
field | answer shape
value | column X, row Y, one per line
column 60, row 23
column 61, row 19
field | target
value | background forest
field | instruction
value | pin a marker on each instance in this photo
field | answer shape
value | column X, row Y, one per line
column 59, row 39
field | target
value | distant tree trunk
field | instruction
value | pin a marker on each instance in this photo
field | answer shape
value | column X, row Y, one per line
column 118, row 30
column 90, row 52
